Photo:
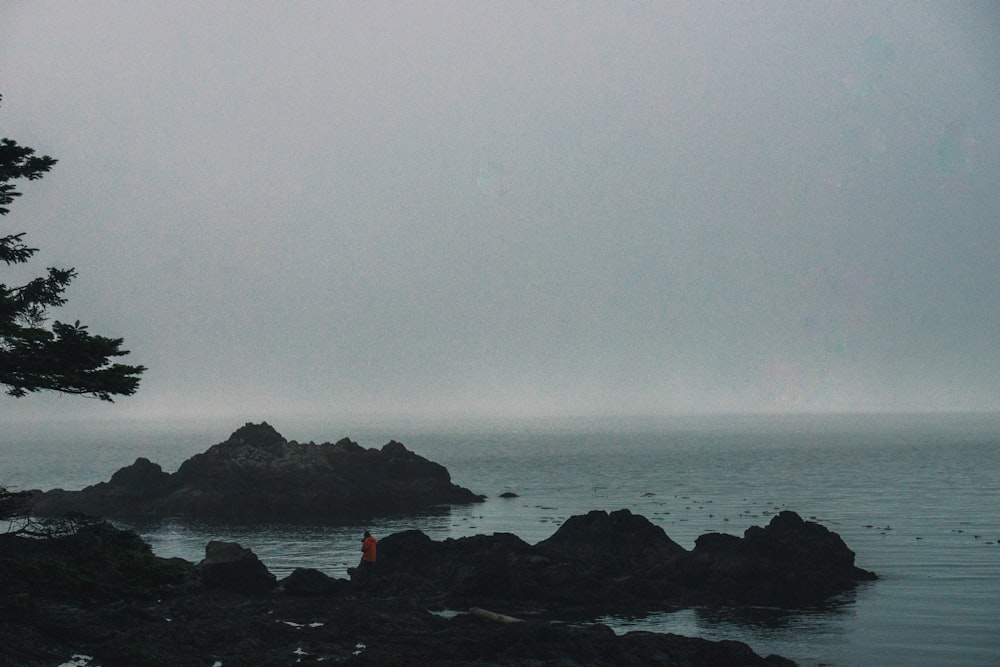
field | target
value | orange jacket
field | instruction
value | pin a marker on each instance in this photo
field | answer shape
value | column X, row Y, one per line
column 368, row 549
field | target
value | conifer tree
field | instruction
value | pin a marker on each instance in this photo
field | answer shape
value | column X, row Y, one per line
column 34, row 357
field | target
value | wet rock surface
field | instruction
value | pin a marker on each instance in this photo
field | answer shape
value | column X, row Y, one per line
column 100, row 592
column 258, row 476
column 229, row 566
column 276, row 629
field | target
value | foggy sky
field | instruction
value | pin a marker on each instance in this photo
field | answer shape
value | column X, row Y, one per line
column 435, row 207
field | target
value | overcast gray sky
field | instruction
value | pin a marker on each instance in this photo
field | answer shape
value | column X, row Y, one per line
column 518, row 207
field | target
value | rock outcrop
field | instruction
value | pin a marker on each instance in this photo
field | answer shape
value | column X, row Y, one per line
column 258, row 476
column 231, row 567
column 101, row 593
column 601, row 561
column 788, row 562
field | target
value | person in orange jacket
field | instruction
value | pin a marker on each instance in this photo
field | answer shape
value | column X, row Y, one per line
column 368, row 550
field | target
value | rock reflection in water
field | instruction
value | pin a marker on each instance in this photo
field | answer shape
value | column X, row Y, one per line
column 810, row 636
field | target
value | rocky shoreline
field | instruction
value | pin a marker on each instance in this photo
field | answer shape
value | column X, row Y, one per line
column 98, row 592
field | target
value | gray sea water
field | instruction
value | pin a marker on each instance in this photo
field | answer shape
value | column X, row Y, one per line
column 917, row 497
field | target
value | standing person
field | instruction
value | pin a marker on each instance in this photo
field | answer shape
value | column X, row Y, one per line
column 367, row 551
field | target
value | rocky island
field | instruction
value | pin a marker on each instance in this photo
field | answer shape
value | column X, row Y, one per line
column 259, row 476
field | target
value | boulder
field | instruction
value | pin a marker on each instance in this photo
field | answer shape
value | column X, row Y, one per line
column 258, row 476
column 467, row 567
column 789, row 562
column 611, row 545
column 228, row 566
column 309, row 582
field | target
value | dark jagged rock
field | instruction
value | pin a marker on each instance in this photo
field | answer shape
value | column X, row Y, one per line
column 228, row 566
column 308, row 582
column 789, row 562
column 464, row 568
column 141, row 478
column 258, row 476
column 309, row 618
column 603, row 560
column 615, row 544
column 101, row 592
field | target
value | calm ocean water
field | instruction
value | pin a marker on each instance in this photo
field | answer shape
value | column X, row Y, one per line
column 916, row 497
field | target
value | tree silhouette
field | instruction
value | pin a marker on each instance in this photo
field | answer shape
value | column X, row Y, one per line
column 64, row 358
